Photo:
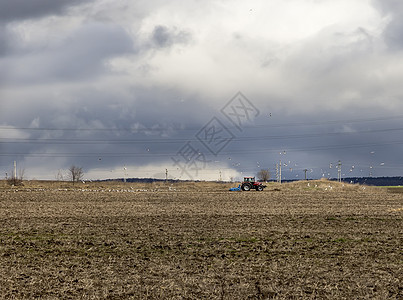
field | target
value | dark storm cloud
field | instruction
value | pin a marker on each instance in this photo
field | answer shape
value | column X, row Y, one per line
column 4, row 41
column 163, row 37
column 15, row 10
column 393, row 33
column 80, row 55
column 143, row 124
column 84, row 53
column 389, row 6
column 143, row 108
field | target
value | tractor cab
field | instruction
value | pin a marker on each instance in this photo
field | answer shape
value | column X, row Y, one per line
column 249, row 179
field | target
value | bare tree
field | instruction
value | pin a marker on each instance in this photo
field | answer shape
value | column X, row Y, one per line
column 60, row 175
column 264, row 175
column 16, row 178
column 21, row 174
column 75, row 173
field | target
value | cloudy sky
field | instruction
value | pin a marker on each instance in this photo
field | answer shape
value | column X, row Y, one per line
column 203, row 89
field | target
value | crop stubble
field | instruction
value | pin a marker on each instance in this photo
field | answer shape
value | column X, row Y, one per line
column 292, row 241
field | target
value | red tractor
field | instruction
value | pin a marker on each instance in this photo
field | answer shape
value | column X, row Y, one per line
column 250, row 183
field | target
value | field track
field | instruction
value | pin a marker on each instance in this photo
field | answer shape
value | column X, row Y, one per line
column 321, row 240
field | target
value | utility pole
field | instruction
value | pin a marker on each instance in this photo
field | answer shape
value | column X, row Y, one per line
column 220, row 176
column 339, row 171
column 15, row 170
column 280, row 165
column 166, row 174
column 305, row 170
column 277, row 172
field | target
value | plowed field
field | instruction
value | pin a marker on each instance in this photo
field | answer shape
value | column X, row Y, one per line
column 321, row 240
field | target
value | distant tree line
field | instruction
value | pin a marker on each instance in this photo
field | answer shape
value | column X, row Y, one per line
column 377, row 181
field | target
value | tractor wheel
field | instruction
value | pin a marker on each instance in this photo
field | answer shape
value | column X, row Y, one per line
column 259, row 188
column 246, row 187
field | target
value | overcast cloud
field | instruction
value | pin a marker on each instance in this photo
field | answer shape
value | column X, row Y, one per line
column 20, row 10
column 121, row 87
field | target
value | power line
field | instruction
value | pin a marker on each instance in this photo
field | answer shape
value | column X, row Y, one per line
column 313, row 123
column 224, row 153
column 181, row 140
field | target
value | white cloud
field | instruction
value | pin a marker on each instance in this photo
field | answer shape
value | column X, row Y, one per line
column 158, row 171
column 274, row 47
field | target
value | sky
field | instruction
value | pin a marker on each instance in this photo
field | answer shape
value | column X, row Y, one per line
column 202, row 90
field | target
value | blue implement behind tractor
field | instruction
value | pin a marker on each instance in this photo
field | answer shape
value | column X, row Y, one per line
column 234, row 189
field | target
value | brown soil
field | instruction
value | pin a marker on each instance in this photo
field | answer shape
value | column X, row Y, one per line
column 198, row 241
